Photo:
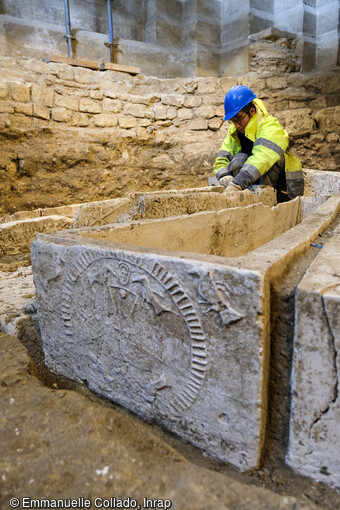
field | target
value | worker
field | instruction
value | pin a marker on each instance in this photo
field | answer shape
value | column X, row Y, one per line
column 255, row 151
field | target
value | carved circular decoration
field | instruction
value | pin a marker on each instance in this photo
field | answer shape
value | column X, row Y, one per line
column 141, row 338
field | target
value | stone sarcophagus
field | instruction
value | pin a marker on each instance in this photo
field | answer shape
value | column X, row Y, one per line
column 152, row 315
column 176, row 340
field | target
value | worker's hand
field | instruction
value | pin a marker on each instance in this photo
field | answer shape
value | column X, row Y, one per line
column 232, row 188
column 226, row 180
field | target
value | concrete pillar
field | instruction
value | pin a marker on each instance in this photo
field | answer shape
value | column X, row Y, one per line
column 327, row 33
column 235, row 30
column 320, row 34
column 261, row 15
column 288, row 15
column 150, row 21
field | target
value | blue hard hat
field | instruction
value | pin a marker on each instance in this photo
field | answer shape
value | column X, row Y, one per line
column 236, row 98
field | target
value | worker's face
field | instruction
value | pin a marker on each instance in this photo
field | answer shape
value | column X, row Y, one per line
column 241, row 120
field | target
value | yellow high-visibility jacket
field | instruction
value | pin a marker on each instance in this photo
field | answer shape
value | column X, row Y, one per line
column 270, row 143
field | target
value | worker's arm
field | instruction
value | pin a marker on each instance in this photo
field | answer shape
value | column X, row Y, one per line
column 270, row 144
column 228, row 149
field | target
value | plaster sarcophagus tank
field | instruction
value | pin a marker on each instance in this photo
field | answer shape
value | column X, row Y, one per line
column 169, row 317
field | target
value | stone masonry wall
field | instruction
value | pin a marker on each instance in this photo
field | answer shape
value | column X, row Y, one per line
column 69, row 134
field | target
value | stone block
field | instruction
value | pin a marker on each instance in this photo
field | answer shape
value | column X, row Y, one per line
column 35, row 66
column 149, row 113
column 171, row 113
column 207, row 86
column 26, row 109
column 89, row 106
column 127, row 122
column 172, row 100
column 192, row 101
column 333, row 138
column 314, row 433
column 160, row 112
column 112, row 105
column 299, row 122
column 215, row 124
column 328, row 119
column 20, row 92
column 60, row 114
column 65, row 73
column 114, row 89
column 146, row 100
column 173, row 340
column 69, row 102
column 207, row 112
column 43, row 95
column 41, row 112
column 276, row 83
column 20, row 121
column 85, row 76
column 184, row 114
column 96, row 94
column 145, row 123
column 198, row 124
column 136, row 110
column 105, row 120
column 79, row 119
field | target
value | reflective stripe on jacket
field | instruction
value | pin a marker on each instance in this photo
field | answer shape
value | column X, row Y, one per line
column 270, row 143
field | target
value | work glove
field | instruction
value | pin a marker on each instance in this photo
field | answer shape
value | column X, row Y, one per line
column 232, row 188
column 222, row 172
column 226, row 180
